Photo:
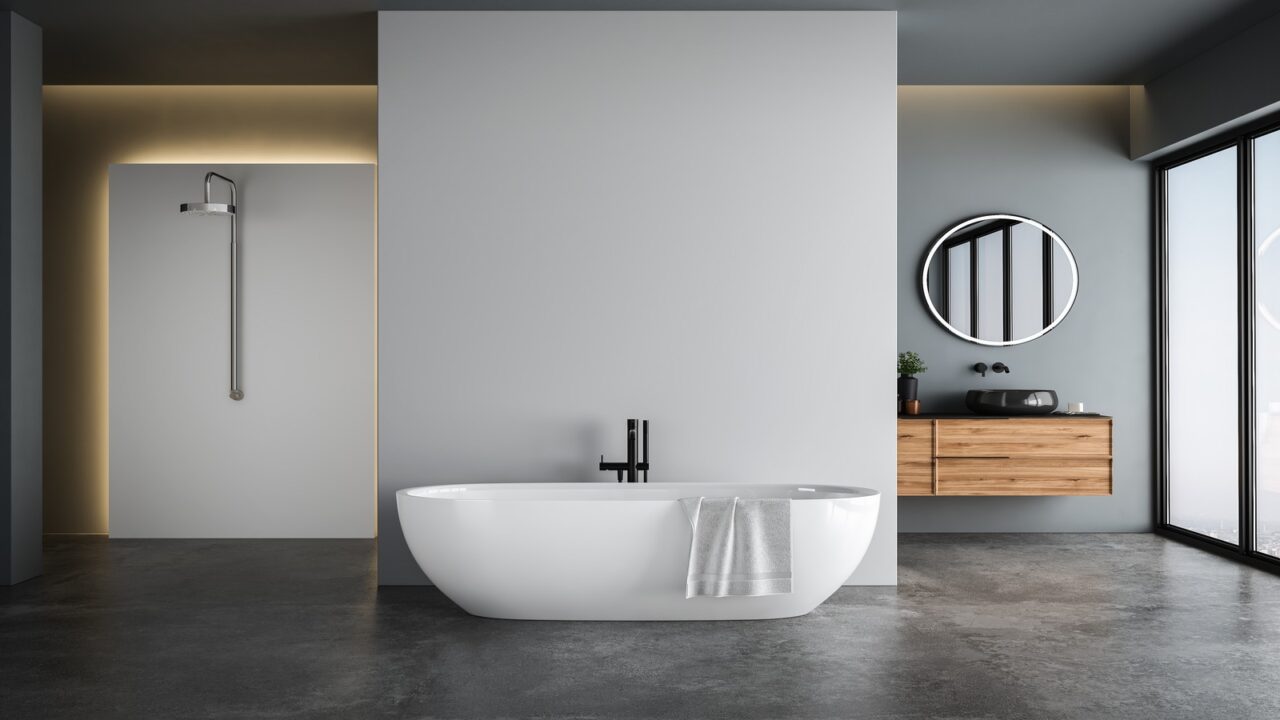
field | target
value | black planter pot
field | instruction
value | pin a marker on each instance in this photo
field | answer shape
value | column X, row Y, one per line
column 907, row 387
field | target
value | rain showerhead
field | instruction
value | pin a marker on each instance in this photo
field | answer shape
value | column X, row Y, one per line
column 225, row 210
column 207, row 208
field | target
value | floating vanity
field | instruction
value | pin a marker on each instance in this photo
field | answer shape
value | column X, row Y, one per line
column 979, row 455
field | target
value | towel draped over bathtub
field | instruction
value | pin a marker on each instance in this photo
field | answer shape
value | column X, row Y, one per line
column 741, row 546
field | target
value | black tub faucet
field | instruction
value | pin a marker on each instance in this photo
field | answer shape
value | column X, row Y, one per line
column 633, row 466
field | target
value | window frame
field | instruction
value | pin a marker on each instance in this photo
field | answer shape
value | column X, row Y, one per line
column 1242, row 140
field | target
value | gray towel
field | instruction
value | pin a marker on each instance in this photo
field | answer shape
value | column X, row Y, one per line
column 741, row 547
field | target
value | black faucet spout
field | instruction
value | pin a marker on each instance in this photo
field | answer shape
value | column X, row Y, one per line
column 634, row 465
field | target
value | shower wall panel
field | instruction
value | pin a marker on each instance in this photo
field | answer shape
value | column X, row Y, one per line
column 296, row 457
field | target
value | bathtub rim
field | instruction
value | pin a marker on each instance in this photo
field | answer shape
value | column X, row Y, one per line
column 455, row 492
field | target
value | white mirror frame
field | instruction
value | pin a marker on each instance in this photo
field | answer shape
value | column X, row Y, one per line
column 928, row 260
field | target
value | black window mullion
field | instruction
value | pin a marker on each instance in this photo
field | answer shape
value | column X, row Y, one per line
column 1245, row 256
column 1161, row 495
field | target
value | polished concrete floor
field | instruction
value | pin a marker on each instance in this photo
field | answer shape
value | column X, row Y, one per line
column 981, row 626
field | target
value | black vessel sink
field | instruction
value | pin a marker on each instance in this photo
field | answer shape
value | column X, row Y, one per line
column 1011, row 402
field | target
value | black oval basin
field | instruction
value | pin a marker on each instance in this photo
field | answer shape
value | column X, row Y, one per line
column 1011, row 402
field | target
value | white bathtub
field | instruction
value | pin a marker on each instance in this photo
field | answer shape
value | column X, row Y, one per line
column 588, row 551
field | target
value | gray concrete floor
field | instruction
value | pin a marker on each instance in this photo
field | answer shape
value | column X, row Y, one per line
column 981, row 626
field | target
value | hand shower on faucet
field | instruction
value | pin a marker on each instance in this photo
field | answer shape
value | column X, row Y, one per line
column 633, row 466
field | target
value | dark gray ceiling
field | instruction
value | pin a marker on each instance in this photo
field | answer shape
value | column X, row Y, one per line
column 1062, row 41
column 335, row 41
column 206, row 41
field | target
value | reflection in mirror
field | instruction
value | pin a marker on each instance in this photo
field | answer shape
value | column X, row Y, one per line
column 1268, row 293
column 999, row 279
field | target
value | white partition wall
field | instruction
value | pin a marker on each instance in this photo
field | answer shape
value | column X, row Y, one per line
column 685, row 217
column 296, row 457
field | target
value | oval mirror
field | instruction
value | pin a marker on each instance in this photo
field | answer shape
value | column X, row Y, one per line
column 999, row 279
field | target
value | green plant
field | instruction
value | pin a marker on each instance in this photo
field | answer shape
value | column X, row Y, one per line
column 910, row 364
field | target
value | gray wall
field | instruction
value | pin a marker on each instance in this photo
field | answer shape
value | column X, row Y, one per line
column 20, row 485
column 295, row 458
column 1229, row 85
column 683, row 217
column 1056, row 154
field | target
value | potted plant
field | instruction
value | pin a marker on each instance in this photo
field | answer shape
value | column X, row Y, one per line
column 909, row 365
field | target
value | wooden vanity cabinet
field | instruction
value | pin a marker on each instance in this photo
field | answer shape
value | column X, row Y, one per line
column 1026, row 456
column 915, row 457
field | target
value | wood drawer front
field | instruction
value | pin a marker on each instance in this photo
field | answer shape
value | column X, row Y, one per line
column 915, row 457
column 989, row 438
column 1024, row 476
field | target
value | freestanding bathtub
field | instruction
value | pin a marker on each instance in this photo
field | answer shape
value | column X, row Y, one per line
column 588, row 551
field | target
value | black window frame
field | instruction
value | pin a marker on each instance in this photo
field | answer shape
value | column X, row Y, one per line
column 1242, row 140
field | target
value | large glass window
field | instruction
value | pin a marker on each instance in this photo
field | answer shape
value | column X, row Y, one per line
column 1266, row 193
column 1202, row 339
column 1219, row 337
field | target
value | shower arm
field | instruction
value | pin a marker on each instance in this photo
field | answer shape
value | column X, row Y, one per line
column 208, row 186
column 236, row 393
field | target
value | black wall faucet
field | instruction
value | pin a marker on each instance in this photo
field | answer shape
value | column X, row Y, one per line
column 981, row 368
column 632, row 467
